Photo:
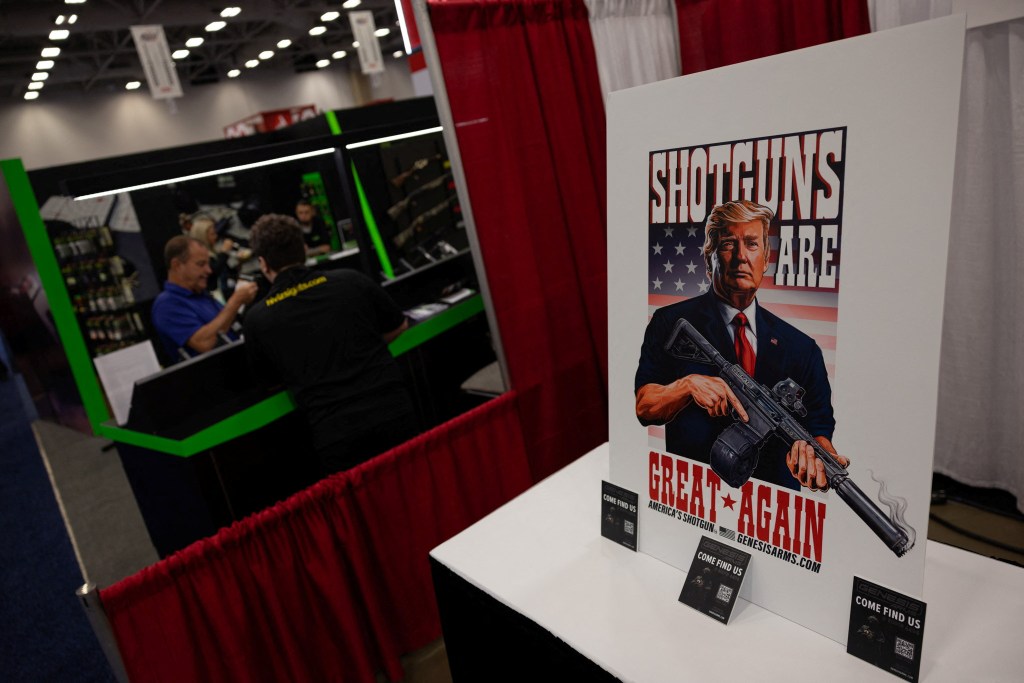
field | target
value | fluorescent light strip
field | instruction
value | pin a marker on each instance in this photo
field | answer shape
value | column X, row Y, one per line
column 425, row 131
column 207, row 174
column 401, row 23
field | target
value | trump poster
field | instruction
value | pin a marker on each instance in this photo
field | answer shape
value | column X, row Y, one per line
column 778, row 234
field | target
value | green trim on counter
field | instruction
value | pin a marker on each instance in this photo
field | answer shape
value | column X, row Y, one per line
column 280, row 404
column 435, row 325
column 27, row 210
column 242, row 422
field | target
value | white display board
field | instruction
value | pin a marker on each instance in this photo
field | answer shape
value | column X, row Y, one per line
column 852, row 145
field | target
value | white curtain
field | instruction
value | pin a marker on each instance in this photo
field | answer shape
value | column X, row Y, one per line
column 981, row 388
column 980, row 430
column 636, row 41
column 892, row 13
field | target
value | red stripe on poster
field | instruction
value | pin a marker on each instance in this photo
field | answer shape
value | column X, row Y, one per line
column 794, row 311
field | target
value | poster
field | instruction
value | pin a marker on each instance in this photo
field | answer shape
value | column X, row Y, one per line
column 826, row 175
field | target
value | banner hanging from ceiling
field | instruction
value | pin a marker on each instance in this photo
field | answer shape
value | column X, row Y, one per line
column 155, row 55
column 363, row 27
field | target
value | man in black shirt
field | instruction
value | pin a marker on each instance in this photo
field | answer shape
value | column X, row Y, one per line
column 324, row 335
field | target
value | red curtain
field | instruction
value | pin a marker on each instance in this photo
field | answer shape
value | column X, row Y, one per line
column 521, row 78
column 331, row 584
column 715, row 33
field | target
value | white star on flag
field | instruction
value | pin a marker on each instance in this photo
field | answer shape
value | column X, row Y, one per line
column 657, row 283
column 668, row 232
column 679, row 285
column 703, row 287
column 657, row 249
column 680, row 249
column 691, row 232
column 691, row 267
column 668, row 266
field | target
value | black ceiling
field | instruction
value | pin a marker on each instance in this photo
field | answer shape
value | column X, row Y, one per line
column 99, row 55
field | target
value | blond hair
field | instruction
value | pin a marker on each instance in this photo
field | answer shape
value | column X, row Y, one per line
column 731, row 213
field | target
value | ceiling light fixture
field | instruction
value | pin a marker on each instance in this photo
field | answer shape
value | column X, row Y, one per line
column 381, row 32
column 266, row 54
column 73, row 18
column 322, row 63
column 31, row 95
column 59, row 34
column 340, row 54
column 59, row 20
column 351, row 4
column 398, row 54
column 252, row 64
column 234, row 73
column 329, row 16
column 401, row 24
column 390, row 138
column 193, row 42
column 207, row 174
column 35, row 85
column 216, row 26
column 282, row 44
column 40, row 76
column 74, row 2
column 355, row 44
column 179, row 54
column 44, row 64
column 49, row 52
column 132, row 85
column 317, row 30
column 229, row 12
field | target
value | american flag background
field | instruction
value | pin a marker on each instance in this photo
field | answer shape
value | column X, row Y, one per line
column 676, row 271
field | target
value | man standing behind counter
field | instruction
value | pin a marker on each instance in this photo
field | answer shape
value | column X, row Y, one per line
column 324, row 335
column 184, row 314
column 314, row 230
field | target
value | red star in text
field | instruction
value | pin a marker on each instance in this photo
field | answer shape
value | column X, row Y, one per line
column 728, row 500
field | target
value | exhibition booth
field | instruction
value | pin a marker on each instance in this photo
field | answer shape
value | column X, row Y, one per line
column 202, row 439
column 576, row 247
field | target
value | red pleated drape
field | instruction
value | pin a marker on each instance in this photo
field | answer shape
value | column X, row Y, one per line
column 521, row 78
column 332, row 584
column 714, row 33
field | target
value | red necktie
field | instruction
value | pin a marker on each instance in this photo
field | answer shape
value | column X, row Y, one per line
column 744, row 351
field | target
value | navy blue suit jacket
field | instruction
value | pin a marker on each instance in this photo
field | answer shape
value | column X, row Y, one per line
column 782, row 351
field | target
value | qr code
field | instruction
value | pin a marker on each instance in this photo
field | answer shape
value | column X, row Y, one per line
column 724, row 593
column 904, row 648
column 627, row 526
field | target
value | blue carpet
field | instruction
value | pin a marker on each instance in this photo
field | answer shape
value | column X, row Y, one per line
column 45, row 634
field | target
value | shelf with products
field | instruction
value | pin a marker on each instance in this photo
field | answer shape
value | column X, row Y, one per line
column 410, row 190
column 100, row 284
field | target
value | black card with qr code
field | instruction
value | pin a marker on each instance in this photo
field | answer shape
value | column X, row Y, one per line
column 886, row 629
column 714, row 580
column 618, row 514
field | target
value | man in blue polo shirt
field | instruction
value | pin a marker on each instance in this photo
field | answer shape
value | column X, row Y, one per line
column 184, row 314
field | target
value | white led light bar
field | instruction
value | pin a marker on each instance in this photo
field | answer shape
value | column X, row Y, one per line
column 401, row 23
column 207, row 174
column 390, row 138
